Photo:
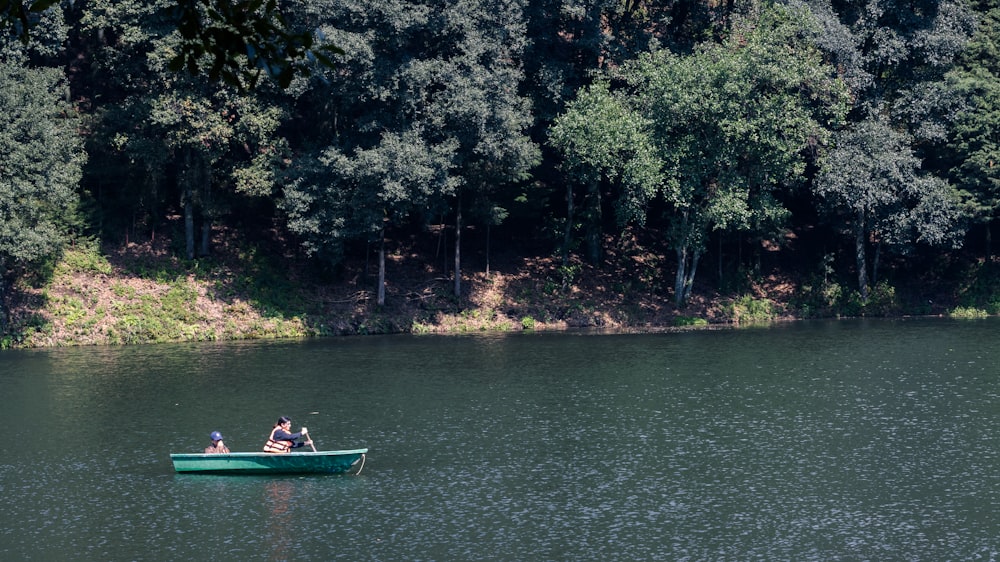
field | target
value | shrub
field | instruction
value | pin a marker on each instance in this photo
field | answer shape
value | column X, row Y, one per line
column 882, row 301
column 968, row 313
column 748, row 310
column 84, row 258
column 689, row 321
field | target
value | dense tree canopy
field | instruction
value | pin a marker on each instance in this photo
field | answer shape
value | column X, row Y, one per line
column 235, row 42
column 872, row 177
column 567, row 122
column 40, row 170
column 974, row 143
column 896, row 57
column 434, row 119
column 729, row 124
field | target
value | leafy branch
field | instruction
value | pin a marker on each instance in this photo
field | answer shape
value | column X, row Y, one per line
column 235, row 41
column 242, row 40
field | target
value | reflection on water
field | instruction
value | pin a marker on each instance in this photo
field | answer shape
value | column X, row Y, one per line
column 280, row 530
column 869, row 440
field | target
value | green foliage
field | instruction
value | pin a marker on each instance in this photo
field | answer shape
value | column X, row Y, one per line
column 351, row 197
column 968, row 313
column 740, row 281
column 689, row 321
column 527, row 323
column 749, row 310
column 123, row 291
column 721, row 130
column 39, row 172
column 870, row 180
column 36, row 32
column 180, row 302
column 237, row 41
column 568, row 274
column 419, row 328
column 981, row 289
column 817, row 299
column 603, row 139
column 267, row 286
column 170, row 139
column 881, row 175
column 438, row 124
column 882, row 301
column 41, row 167
column 72, row 311
column 84, row 258
column 710, row 119
column 19, row 16
column 825, row 299
column 975, row 140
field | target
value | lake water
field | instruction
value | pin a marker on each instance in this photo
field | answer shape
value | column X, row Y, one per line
column 845, row 440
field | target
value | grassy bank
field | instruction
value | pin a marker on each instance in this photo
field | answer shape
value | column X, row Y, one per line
column 144, row 293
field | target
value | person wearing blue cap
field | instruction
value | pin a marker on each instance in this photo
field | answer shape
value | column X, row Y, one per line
column 217, row 445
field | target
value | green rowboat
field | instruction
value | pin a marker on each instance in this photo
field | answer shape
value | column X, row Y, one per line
column 325, row 462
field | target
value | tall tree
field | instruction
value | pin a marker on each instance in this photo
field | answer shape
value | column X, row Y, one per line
column 605, row 141
column 872, row 177
column 184, row 141
column 894, row 56
column 731, row 124
column 480, row 107
column 356, row 196
column 364, row 163
column 434, row 79
column 218, row 145
column 974, row 147
column 39, row 173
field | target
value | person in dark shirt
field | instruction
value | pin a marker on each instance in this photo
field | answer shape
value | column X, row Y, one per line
column 282, row 440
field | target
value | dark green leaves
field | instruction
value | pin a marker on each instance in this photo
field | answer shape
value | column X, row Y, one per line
column 41, row 167
column 233, row 41
column 18, row 16
column 237, row 42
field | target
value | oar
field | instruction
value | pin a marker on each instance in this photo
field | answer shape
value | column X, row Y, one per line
column 311, row 441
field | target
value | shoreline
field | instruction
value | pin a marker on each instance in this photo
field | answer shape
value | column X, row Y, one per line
column 144, row 294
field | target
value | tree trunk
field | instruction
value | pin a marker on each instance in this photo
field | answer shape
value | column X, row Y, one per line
column 488, row 228
column 679, row 278
column 188, row 223
column 684, row 263
column 568, row 232
column 368, row 252
column 687, row 266
column 187, row 179
column 875, row 263
column 381, row 269
column 689, row 279
column 861, row 260
column 720, row 259
column 458, row 248
column 206, row 236
column 594, row 229
column 3, row 302
column 989, row 241
column 206, row 219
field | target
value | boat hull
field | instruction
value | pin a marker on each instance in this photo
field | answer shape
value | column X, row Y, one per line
column 319, row 462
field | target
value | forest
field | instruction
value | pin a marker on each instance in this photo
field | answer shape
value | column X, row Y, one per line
column 698, row 138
